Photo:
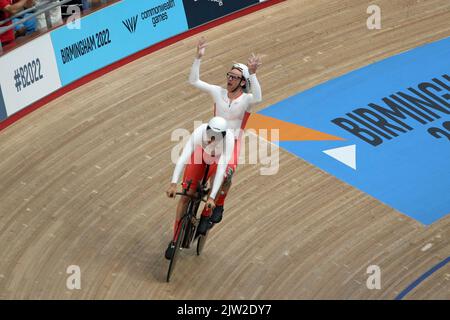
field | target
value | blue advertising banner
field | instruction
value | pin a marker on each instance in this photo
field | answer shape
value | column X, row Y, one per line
column 113, row 33
column 394, row 117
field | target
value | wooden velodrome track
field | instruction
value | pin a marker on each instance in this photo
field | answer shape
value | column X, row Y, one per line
column 82, row 179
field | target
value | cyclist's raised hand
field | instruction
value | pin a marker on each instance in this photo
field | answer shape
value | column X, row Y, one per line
column 171, row 192
column 210, row 204
column 254, row 62
column 201, row 46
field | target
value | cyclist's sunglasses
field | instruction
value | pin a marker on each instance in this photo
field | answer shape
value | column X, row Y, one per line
column 232, row 76
column 224, row 133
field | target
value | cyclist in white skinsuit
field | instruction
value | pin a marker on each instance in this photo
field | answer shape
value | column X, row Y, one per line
column 216, row 153
column 210, row 144
column 233, row 104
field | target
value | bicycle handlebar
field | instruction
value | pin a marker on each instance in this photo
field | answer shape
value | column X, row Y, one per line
column 192, row 196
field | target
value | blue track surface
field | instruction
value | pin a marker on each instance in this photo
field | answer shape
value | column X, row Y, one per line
column 402, row 151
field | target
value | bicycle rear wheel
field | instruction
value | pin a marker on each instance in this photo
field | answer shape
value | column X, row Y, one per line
column 188, row 235
column 180, row 238
column 201, row 242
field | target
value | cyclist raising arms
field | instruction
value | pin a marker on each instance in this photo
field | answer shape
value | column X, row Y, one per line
column 211, row 144
column 233, row 104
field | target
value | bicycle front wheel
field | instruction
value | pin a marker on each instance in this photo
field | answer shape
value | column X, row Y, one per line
column 180, row 238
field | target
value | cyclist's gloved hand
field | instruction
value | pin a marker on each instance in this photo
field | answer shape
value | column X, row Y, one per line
column 210, row 204
column 172, row 190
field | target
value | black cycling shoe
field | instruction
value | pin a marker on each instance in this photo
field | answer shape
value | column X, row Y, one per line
column 203, row 226
column 217, row 214
column 170, row 250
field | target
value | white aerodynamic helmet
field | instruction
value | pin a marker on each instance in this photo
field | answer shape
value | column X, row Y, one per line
column 245, row 73
column 218, row 125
